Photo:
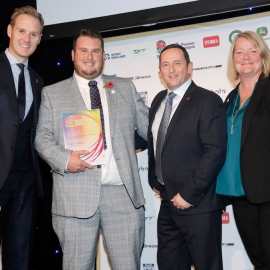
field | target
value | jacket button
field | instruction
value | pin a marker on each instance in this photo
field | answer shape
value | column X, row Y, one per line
column 98, row 166
column 11, row 147
column 16, row 126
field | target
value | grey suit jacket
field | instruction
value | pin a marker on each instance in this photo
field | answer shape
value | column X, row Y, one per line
column 77, row 194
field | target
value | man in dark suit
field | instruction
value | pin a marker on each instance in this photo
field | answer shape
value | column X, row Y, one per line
column 187, row 145
column 20, row 91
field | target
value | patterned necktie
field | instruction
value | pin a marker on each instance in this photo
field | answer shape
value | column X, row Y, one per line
column 96, row 104
column 21, row 93
column 162, row 131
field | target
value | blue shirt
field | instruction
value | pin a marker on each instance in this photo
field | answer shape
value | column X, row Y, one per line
column 16, row 72
column 229, row 179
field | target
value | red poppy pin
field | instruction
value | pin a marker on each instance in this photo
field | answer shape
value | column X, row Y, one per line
column 188, row 98
column 36, row 80
column 108, row 85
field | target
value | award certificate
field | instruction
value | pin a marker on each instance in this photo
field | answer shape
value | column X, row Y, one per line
column 83, row 131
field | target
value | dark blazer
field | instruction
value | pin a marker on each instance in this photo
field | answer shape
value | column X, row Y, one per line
column 9, row 120
column 194, row 149
column 255, row 143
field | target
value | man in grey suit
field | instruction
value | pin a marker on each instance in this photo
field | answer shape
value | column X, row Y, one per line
column 88, row 198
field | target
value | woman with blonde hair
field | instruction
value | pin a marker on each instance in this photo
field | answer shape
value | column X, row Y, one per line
column 245, row 176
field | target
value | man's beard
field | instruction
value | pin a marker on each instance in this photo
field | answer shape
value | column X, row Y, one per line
column 89, row 75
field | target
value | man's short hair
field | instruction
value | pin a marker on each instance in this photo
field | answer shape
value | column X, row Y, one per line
column 27, row 10
column 88, row 33
column 176, row 46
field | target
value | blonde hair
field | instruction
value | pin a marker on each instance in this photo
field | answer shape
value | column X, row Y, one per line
column 27, row 10
column 259, row 44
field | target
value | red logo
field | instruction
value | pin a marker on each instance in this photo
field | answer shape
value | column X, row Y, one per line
column 212, row 41
column 225, row 218
column 160, row 46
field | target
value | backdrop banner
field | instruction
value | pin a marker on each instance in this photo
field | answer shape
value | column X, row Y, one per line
column 137, row 57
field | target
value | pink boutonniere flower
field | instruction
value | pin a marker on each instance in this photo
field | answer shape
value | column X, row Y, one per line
column 108, row 85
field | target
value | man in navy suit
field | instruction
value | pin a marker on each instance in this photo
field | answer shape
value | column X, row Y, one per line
column 20, row 182
column 186, row 152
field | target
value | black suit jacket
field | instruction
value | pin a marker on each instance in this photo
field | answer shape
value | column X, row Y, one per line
column 255, row 143
column 9, row 119
column 194, row 149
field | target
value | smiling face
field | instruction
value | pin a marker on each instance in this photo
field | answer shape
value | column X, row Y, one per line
column 174, row 69
column 247, row 59
column 24, row 37
column 88, row 57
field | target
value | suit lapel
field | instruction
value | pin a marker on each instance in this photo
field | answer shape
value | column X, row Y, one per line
column 74, row 94
column 180, row 109
column 155, row 106
column 229, row 98
column 7, row 81
column 251, row 108
column 111, row 95
column 36, row 95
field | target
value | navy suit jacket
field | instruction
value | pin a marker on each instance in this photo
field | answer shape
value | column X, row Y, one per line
column 9, row 119
column 194, row 149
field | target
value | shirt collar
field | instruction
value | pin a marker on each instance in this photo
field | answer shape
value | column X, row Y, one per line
column 181, row 90
column 12, row 59
column 82, row 81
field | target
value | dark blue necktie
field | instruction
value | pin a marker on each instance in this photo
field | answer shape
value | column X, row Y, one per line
column 96, row 104
column 162, row 131
column 21, row 93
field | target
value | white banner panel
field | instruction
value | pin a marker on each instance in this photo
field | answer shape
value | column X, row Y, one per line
column 136, row 57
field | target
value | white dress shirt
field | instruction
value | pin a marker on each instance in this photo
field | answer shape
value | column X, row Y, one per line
column 110, row 174
column 16, row 72
column 180, row 92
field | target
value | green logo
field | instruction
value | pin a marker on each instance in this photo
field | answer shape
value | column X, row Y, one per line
column 262, row 31
column 148, row 218
column 231, row 36
column 138, row 51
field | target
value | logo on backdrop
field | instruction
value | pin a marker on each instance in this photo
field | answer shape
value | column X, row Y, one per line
column 141, row 168
column 225, row 218
column 212, row 41
column 150, row 246
column 144, row 96
column 219, row 91
column 139, row 52
column 149, row 219
column 114, row 56
column 140, row 77
column 227, row 244
column 233, row 34
column 188, row 45
column 262, row 31
column 208, row 67
column 160, row 46
column 148, row 266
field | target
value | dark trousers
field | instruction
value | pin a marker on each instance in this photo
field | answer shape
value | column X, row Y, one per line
column 185, row 240
column 18, row 201
column 253, row 224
